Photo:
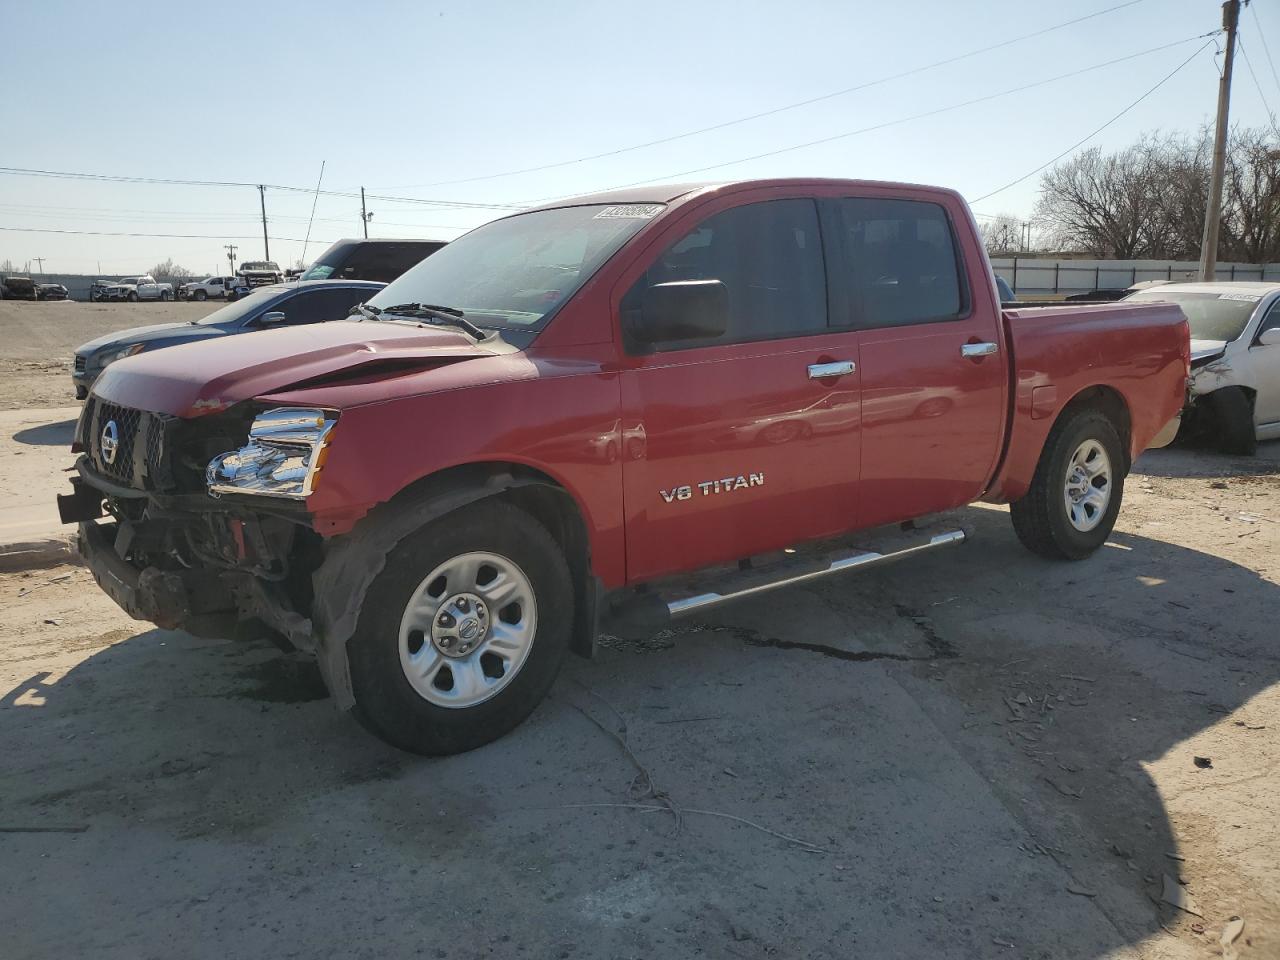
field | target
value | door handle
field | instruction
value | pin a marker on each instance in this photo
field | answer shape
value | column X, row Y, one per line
column 974, row 350
column 837, row 368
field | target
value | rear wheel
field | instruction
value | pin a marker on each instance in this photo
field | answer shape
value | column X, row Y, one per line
column 166, row 296
column 463, row 632
column 1233, row 421
column 1075, row 495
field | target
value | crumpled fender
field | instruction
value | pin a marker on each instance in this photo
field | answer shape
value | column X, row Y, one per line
column 354, row 560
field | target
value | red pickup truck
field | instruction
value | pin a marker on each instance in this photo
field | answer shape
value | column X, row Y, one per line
column 444, row 494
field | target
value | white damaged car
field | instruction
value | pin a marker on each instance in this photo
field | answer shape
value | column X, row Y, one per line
column 1234, row 396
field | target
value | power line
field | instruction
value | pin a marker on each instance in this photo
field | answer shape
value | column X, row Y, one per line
column 171, row 236
column 112, row 178
column 1090, row 136
column 899, row 120
column 776, row 110
column 1262, row 35
column 1271, row 116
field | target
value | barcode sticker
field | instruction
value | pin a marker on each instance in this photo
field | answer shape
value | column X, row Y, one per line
column 630, row 211
column 1249, row 297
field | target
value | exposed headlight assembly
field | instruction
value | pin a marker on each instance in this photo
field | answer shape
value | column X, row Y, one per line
column 283, row 457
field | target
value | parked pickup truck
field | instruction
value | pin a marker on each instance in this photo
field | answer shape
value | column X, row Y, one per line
column 210, row 287
column 134, row 289
column 259, row 273
column 444, row 495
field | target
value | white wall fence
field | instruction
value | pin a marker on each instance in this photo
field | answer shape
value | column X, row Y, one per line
column 1043, row 276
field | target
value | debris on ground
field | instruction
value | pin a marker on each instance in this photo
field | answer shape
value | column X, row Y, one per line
column 1176, row 895
column 1230, row 933
column 1204, row 763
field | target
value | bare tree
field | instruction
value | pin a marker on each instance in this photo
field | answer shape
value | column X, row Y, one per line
column 1148, row 200
column 170, row 271
column 1001, row 235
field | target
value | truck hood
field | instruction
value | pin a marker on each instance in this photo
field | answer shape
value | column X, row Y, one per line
column 201, row 378
column 157, row 331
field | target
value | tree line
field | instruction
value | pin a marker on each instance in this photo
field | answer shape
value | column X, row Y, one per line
column 1147, row 201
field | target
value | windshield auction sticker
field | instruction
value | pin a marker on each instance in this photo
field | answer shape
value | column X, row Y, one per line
column 1251, row 298
column 630, row 211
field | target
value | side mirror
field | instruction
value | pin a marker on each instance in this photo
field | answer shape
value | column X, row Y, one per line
column 270, row 317
column 683, row 310
column 1269, row 338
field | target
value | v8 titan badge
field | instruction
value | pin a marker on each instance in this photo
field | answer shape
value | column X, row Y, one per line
column 709, row 487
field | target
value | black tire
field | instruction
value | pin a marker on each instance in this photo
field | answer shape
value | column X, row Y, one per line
column 1041, row 519
column 1233, row 429
column 133, row 297
column 386, row 703
column 200, row 295
column 166, row 296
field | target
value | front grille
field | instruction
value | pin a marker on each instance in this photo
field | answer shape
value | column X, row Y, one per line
column 80, row 362
column 119, row 466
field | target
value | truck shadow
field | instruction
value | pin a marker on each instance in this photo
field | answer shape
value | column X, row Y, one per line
column 940, row 818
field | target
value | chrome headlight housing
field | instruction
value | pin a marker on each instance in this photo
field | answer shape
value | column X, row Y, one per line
column 284, row 455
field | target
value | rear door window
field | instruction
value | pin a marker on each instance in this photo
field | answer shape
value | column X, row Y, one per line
column 898, row 263
column 768, row 255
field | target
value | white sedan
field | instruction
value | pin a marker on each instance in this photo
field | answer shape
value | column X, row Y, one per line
column 1235, row 359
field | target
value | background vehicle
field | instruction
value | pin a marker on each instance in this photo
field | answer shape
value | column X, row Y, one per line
column 1235, row 359
column 19, row 288
column 280, row 305
column 381, row 260
column 98, row 290
column 209, row 288
column 138, row 288
column 259, row 273
column 440, row 502
column 51, row 291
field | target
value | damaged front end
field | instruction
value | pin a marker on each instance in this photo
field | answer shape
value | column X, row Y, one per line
column 200, row 523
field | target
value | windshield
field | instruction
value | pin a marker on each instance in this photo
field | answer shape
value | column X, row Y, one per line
column 515, row 272
column 1212, row 316
column 240, row 310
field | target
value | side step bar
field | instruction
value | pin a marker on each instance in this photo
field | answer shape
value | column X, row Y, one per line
column 648, row 611
column 704, row 601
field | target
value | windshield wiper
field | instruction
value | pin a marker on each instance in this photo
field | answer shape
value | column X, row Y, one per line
column 450, row 316
column 366, row 312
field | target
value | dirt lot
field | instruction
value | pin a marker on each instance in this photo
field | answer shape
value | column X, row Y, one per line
column 37, row 341
column 972, row 754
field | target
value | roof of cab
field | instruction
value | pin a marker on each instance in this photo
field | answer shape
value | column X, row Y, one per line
column 670, row 192
column 1260, row 287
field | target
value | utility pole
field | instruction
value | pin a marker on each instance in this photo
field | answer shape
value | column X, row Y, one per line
column 364, row 216
column 1213, row 212
column 40, row 261
column 266, row 247
column 231, row 255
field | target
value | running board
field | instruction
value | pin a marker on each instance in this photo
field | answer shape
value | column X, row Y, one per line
column 648, row 611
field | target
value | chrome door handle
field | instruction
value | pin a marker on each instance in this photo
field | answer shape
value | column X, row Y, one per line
column 837, row 368
column 972, row 350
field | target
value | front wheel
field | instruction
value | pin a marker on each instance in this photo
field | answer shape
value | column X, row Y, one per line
column 1233, row 418
column 166, row 296
column 462, row 633
column 200, row 295
column 1075, row 495
column 133, row 297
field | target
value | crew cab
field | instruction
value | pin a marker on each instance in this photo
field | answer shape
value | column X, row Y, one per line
column 134, row 289
column 620, row 407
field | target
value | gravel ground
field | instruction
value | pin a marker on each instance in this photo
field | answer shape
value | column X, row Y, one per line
column 37, row 341
column 974, row 753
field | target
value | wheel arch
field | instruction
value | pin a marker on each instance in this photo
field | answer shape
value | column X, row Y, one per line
column 355, row 559
column 1112, row 404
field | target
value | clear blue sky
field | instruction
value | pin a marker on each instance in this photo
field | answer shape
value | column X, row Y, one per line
column 400, row 96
